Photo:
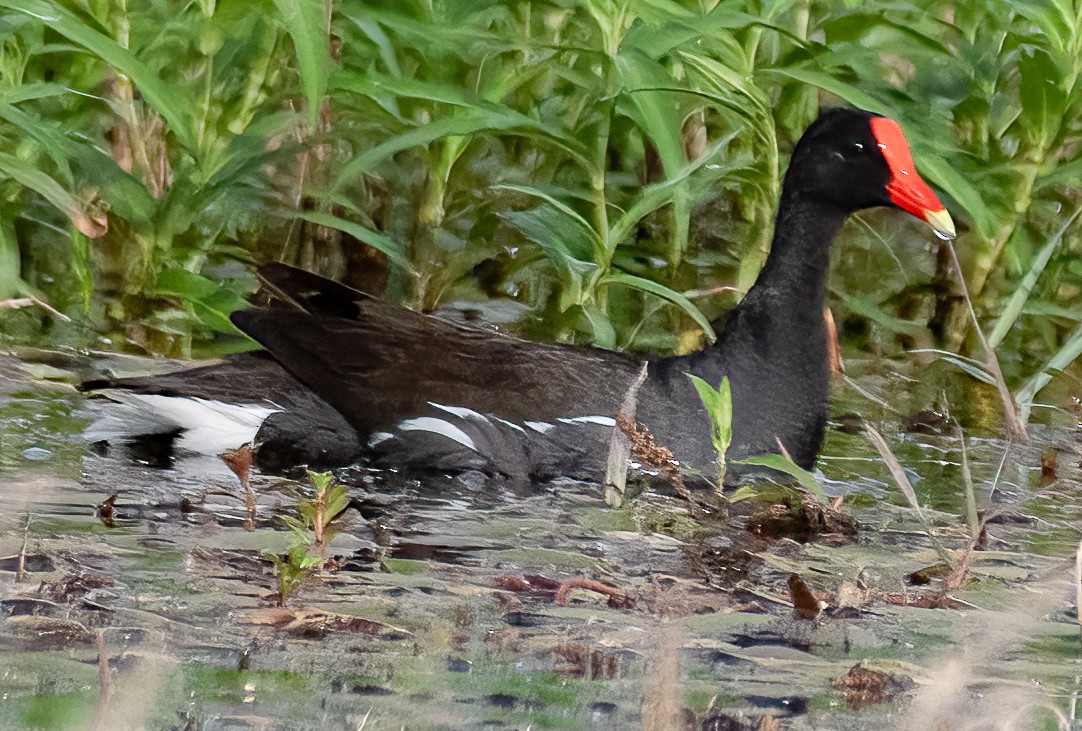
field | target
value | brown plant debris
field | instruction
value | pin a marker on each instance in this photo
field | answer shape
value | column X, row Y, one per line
column 646, row 451
column 307, row 622
column 834, row 353
column 240, row 461
column 806, row 604
column 863, row 686
column 46, row 630
column 559, row 592
column 588, row 661
column 74, row 584
column 106, row 511
column 617, row 598
column 1048, row 467
column 805, row 522
column 922, row 600
column 925, row 576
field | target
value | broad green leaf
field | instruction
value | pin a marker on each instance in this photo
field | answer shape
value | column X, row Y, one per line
column 708, row 395
column 44, row 185
column 11, row 282
column 849, row 92
column 947, row 177
column 377, row 241
column 604, row 335
column 665, row 293
column 465, row 122
column 584, row 227
column 657, row 195
column 781, row 463
column 48, row 134
column 211, row 301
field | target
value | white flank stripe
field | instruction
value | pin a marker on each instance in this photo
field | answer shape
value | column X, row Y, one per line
column 459, row 411
column 511, row 424
column 540, row 426
column 438, row 426
column 208, row 427
column 380, row 436
column 599, row 420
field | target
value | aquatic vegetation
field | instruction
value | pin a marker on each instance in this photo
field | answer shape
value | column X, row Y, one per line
column 718, row 403
column 605, row 164
column 310, row 531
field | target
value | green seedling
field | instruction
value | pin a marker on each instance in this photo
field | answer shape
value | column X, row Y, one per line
column 291, row 568
column 312, row 529
column 315, row 524
column 719, row 407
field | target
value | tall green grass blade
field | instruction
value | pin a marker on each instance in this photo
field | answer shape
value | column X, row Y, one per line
column 1067, row 353
column 1013, row 309
column 973, row 520
column 168, row 100
column 904, row 486
column 377, row 241
column 969, row 366
column 665, row 293
column 304, row 21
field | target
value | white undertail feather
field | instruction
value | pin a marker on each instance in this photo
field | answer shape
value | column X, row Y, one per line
column 438, row 426
column 206, row 427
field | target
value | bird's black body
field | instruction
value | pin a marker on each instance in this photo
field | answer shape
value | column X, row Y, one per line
column 377, row 364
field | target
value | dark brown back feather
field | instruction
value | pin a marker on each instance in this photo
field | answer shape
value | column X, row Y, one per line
column 377, row 363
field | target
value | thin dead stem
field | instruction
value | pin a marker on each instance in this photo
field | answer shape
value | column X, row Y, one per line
column 1016, row 430
column 20, row 569
column 1078, row 591
column 104, row 688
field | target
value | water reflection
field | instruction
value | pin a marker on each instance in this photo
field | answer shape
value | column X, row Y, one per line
column 443, row 606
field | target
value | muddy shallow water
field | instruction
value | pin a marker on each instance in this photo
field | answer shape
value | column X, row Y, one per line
column 442, row 606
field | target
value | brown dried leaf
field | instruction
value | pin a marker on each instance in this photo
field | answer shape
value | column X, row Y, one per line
column 805, row 603
column 864, row 686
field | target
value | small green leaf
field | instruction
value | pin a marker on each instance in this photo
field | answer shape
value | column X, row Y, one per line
column 781, row 463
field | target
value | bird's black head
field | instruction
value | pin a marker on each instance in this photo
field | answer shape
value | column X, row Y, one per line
column 855, row 159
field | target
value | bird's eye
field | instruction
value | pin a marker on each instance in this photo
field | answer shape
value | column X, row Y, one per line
column 857, row 148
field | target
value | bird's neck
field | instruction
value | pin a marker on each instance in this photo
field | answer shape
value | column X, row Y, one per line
column 796, row 269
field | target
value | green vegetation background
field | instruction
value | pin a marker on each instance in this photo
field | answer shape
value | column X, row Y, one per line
column 606, row 170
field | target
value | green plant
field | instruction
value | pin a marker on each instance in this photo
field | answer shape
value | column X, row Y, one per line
column 606, row 164
column 291, row 568
column 312, row 528
column 315, row 524
column 718, row 403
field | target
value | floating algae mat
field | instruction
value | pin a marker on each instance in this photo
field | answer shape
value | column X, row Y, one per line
column 456, row 603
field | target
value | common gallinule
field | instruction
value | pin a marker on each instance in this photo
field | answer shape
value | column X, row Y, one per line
column 424, row 392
